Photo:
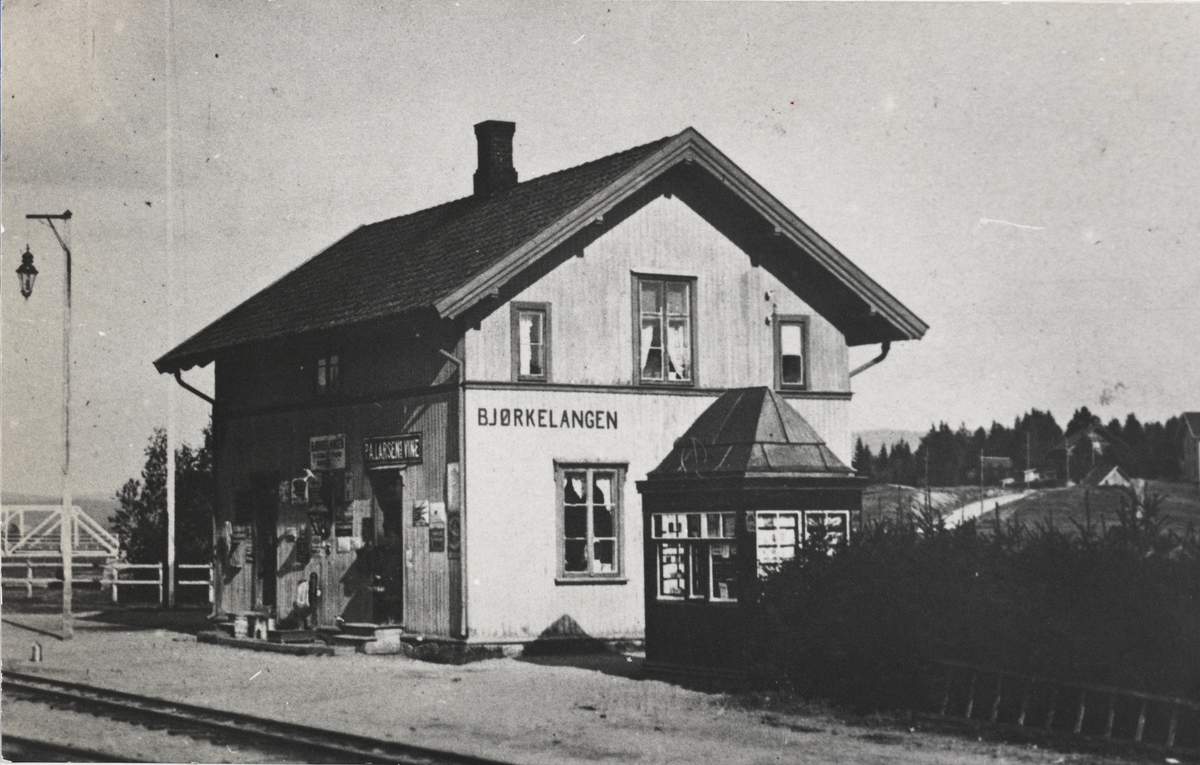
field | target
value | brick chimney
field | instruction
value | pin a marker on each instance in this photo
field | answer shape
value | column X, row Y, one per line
column 496, row 171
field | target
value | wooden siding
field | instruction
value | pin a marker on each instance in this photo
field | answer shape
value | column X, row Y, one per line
column 592, row 300
column 285, row 373
column 512, row 550
column 278, row 444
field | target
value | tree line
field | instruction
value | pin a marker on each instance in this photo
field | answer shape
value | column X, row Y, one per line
column 1035, row 441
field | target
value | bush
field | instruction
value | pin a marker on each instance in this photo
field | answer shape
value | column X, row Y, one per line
column 1117, row 607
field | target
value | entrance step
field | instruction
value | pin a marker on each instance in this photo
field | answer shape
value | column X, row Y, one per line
column 377, row 639
column 292, row 636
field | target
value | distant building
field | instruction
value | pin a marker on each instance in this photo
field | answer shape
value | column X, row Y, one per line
column 1191, row 447
column 997, row 469
column 1107, row 475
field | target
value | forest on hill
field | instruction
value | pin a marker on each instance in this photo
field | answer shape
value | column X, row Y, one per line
column 1035, row 441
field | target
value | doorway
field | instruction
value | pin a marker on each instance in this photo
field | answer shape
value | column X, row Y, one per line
column 265, row 504
column 387, row 522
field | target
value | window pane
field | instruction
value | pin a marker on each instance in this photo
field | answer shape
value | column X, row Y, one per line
column 672, row 525
column 791, row 354
column 602, row 522
column 693, row 524
column 333, row 374
column 699, row 583
column 679, row 350
column 651, row 350
column 575, row 521
column 576, row 556
column 321, row 378
column 604, row 560
column 729, row 524
column 776, row 540
column 672, row 566
column 573, row 484
column 724, row 571
column 677, row 299
column 712, row 526
column 651, row 297
column 531, row 345
column 602, row 488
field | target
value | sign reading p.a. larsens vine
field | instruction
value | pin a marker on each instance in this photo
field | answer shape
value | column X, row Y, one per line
column 392, row 451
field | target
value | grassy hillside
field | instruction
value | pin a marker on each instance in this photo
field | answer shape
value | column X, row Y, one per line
column 886, row 500
column 1065, row 508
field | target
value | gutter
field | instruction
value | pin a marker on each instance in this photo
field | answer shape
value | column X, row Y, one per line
column 884, row 349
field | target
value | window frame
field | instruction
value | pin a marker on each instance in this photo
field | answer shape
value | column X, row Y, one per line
column 637, row 278
column 618, row 576
column 701, row 545
column 517, row 308
column 803, row 321
column 323, row 364
column 802, row 522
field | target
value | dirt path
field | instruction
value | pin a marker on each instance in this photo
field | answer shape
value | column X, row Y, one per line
column 960, row 515
column 565, row 710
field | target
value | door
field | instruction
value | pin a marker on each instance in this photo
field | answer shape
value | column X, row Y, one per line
column 387, row 509
column 264, row 487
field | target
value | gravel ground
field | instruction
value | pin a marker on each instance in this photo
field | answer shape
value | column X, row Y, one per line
column 560, row 710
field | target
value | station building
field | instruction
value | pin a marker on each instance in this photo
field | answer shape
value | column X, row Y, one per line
column 439, row 421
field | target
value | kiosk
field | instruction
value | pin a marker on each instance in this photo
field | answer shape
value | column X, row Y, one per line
column 738, row 495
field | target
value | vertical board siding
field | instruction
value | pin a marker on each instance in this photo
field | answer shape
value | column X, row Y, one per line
column 279, row 443
column 592, row 302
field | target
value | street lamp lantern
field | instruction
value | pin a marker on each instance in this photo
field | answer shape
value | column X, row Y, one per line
column 27, row 273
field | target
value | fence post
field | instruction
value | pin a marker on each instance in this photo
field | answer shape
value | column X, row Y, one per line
column 116, row 574
column 28, row 578
column 160, row 586
column 1112, row 711
column 996, row 701
column 1141, row 726
column 1171, row 728
column 1082, row 709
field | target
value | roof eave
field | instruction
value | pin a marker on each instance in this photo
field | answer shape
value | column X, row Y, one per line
column 689, row 146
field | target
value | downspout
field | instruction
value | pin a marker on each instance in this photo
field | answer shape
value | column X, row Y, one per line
column 887, row 346
column 213, row 571
column 205, row 396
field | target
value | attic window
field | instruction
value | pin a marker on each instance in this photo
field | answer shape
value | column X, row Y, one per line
column 531, row 342
column 328, row 378
column 664, row 329
column 791, row 352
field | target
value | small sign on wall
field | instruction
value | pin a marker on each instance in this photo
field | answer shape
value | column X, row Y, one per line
column 327, row 452
column 392, row 451
column 437, row 513
column 437, row 539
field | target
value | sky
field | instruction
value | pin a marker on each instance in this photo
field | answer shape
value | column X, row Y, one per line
column 1025, row 177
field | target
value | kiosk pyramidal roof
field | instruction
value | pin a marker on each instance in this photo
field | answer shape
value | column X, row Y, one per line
column 748, row 431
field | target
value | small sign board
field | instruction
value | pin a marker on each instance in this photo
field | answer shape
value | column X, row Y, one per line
column 327, row 452
column 392, row 451
column 437, row 539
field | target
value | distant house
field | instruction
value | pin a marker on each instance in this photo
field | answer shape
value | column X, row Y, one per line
column 1090, row 447
column 997, row 469
column 1191, row 447
column 1107, row 475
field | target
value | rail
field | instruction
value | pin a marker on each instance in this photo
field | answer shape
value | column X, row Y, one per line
column 300, row 743
column 981, row 694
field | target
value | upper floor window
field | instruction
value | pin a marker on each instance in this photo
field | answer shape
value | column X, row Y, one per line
column 589, row 499
column 328, row 377
column 531, row 341
column 791, row 352
column 664, row 327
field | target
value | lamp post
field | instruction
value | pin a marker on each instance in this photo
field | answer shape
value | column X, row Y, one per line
column 27, row 274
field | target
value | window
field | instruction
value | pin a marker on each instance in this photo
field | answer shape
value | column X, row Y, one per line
column 531, row 341
column 328, row 378
column 664, row 330
column 791, row 352
column 779, row 535
column 589, row 499
column 697, row 555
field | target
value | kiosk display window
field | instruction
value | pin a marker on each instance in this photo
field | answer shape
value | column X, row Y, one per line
column 697, row 555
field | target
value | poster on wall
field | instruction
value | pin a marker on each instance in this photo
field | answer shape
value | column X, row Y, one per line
column 327, row 452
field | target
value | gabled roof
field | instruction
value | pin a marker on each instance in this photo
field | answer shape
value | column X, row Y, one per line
column 450, row 257
column 750, row 431
column 1193, row 423
column 1106, row 475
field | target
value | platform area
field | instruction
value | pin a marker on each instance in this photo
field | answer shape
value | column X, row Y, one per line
column 554, row 709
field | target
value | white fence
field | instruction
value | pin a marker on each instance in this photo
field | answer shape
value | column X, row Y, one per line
column 107, row 577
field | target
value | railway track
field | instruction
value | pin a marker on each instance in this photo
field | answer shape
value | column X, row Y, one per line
column 300, row 743
column 21, row 749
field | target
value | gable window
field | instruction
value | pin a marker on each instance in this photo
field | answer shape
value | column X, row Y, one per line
column 589, row 522
column 791, row 352
column 531, row 341
column 328, row 377
column 697, row 555
column 664, row 329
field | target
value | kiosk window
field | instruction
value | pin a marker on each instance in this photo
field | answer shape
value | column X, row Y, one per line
column 779, row 535
column 697, row 555
column 328, row 376
column 664, row 340
column 590, row 521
